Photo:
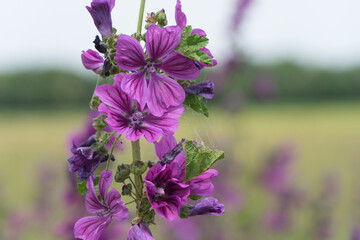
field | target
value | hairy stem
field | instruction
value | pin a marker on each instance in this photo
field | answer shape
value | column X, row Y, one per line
column 141, row 17
column 111, row 153
column 136, row 157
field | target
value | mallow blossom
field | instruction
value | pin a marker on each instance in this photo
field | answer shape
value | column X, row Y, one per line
column 164, row 183
column 207, row 206
column 181, row 21
column 92, row 60
column 106, row 207
column 137, row 121
column 146, row 84
column 100, row 11
column 140, row 232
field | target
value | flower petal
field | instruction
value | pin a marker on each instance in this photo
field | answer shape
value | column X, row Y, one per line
column 115, row 119
column 207, row 206
column 139, row 232
column 135, row 85
column 202, row 185
column 91, row 228
column 179, row 67
column 92, row 60
column 149, row 132
column 100, row 11
column 180, row 17
column 176, row 188
column 161, row 41
column 171, row 210
column 198, row 31
column 166, row 144
column 114, row 97
column 207, row 51
column 168, row 123
column 93, row 205
column 104, row 183
column 129, row 53
column 163, row 93
column 116, row 207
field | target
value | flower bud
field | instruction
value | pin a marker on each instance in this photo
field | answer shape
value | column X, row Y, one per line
column 95, row 102
column 138, row 167
column 92, row 60
column 126, row 189
column 205, row 89
column 99, row 45
column 99, row 122
column 151, row 18
column 184, row 211
column 161, row 18
column 149, row 217
column 122, row 172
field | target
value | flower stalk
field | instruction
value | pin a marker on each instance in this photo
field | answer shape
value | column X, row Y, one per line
column 137, row 158
column 141, row 16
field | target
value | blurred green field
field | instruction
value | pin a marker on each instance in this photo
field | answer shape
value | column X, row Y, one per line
column 326, row 135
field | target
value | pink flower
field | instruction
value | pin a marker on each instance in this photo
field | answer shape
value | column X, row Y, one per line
column 92, row 60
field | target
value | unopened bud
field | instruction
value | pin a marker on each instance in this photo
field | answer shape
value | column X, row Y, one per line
column 94, row 102
column 122, row 172
column 151, row 18
column 99, row 122
column 138, row 168
column 126, row 189
column 161, row 18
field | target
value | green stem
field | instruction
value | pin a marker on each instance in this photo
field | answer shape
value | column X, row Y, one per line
column 141, row 16
column 130, row 202
column 111, row 153
column 137, row 192
column 136, row 157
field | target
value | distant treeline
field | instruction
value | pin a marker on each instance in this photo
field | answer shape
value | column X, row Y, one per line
column 281, row 81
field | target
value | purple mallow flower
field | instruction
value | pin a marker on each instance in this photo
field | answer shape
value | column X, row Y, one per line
column 109, row 206
column 84, row 161
column 92, row 60
column 165, row 192
column 138, row 121
column 159, row 92
column 205, row 89
column 140, row 232
column 100, row 11
column 207, row 206
column 180, row 17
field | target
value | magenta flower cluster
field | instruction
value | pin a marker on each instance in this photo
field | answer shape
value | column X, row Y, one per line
column 150, row 85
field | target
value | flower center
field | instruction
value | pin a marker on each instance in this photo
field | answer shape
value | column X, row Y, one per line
column 136, row 118
column 160, row 191
column 150, row 67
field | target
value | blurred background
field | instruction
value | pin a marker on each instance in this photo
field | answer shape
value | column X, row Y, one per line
column 286, row 112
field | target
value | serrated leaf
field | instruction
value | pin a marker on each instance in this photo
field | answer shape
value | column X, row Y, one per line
column 199, row 160
column 199, row 56
column 196, row 103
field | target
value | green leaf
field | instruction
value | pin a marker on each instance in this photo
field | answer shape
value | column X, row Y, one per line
column 199, row 160
column 196, row 103
column 82, row 185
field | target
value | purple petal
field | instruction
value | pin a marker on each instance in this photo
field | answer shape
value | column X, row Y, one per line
column 135, row 85
column 115, row 119
column 178, row 167
column 91, row 228
column 140, row 232
column 129, row 53
column 163, row 93
column 168, row 123
column 179, row 67
column 207, row 51
column 114, row 97
column 166, row 144
column 178, row 189
column 104, row 183
column 116, row 207
column 100, row 11
column 161, row 41
column 171, row 209
column 201, row 185
column 198, row 31
column 93, row 205
column 207, row 206
column 150, row 133
column 205, row 89
column 180, row 17
column 92, row 60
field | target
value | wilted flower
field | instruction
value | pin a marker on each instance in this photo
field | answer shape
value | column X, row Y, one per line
column 100, row 11
column 109, row 206
column 92, row 60
column 207, row 206
column 134, row 122
column 140, row 232
column 205, row 89
column 159, row 92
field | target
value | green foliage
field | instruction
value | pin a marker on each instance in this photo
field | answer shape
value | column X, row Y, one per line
column 199, row 160
column 190, row 45
column 197, row 103
column 82, row 185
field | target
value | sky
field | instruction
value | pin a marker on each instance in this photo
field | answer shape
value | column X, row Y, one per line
column 43, row 33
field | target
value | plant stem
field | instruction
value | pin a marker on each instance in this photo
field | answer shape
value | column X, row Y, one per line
column 137, row 193
column 111, row 153
column 141, row 16
column 136, row 157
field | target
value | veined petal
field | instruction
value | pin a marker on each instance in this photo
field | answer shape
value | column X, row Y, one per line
column 117, row 208
column 168, row 123
column 176, row 188
column 135, row 85
column 140, row 232
column 114, row 97
column 202, row 185
column 199, row 31
column 207, row 51
column 115, row 119
column 100, row 11
column 171, row 209
column 166, row 144
column 93, row 205
column 180, row 17
column 104, row 183
column 91, row 228
column 163, row 93
column 161, row 41
column 150, row 133
column 179, row 67
column 92, row 60
column 129, row 53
